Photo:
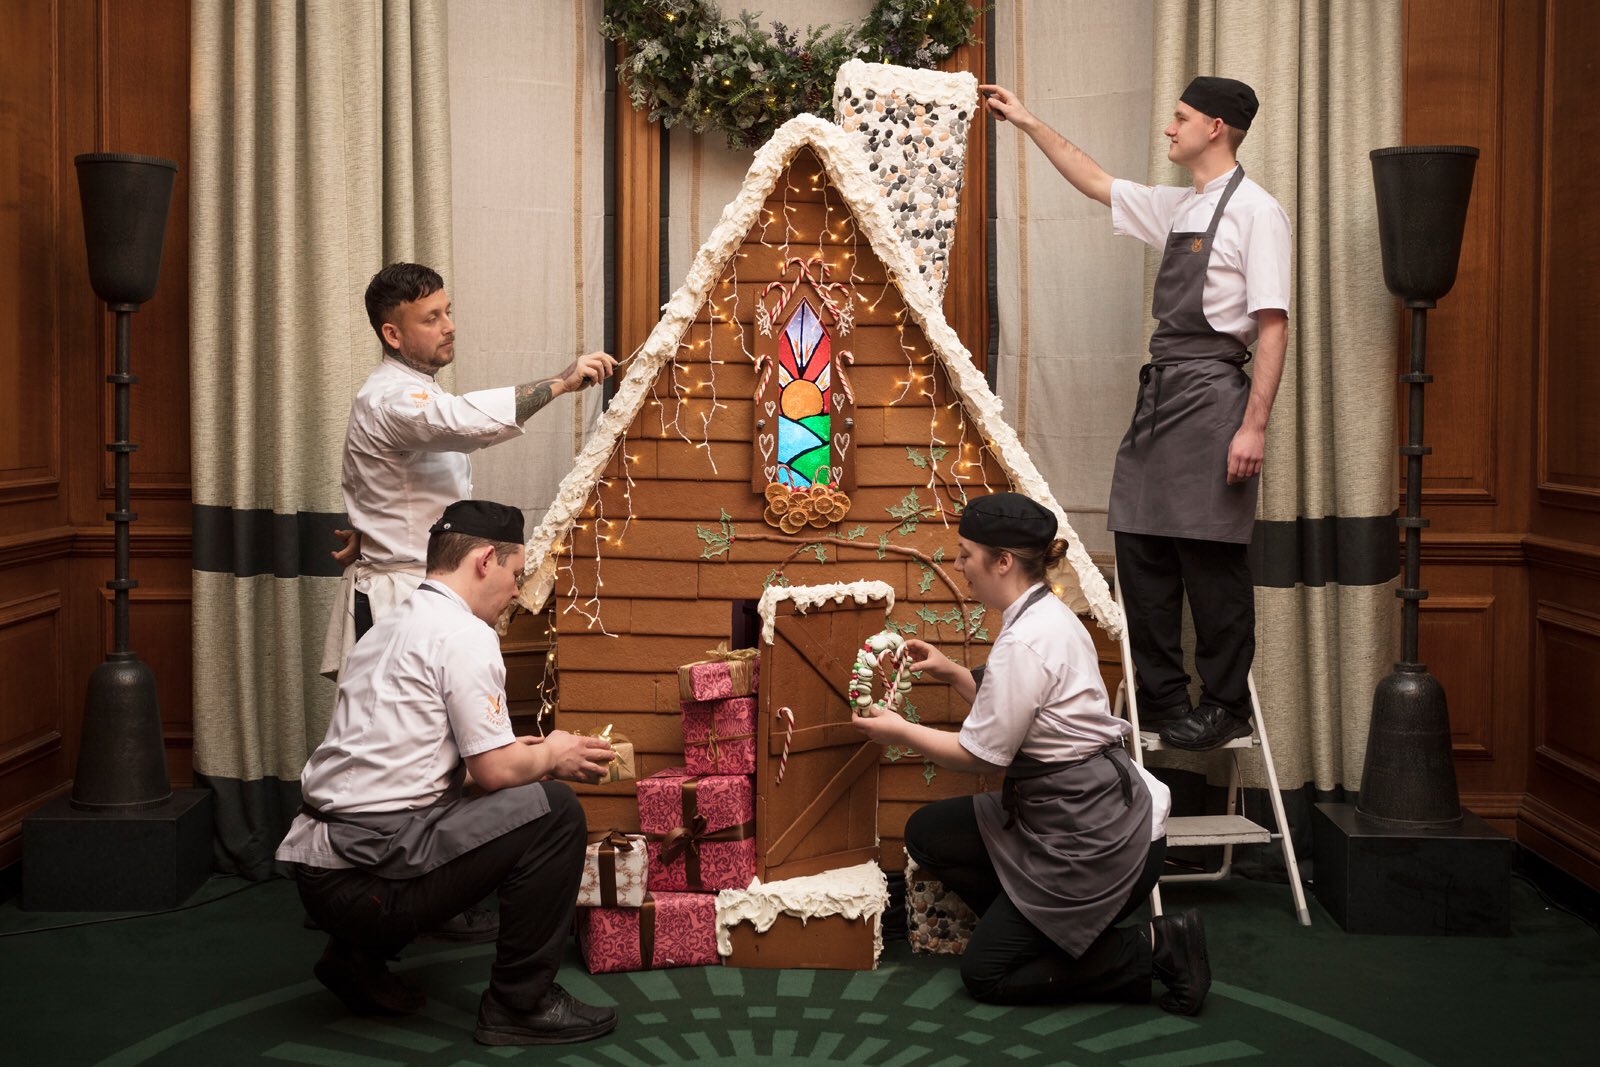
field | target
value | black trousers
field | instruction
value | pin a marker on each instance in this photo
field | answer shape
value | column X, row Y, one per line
column 1009, row 960
column 535, row 869
column 363, row 614
column 1155, row 573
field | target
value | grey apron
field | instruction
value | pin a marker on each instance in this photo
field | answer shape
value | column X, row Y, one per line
column 1171, row 476
column 1068, row 840
column 408, row 844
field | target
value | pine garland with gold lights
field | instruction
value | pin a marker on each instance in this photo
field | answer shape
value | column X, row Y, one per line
column 688, row 65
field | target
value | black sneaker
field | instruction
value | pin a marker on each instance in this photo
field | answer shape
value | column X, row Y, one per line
column 1153, row 718
column 474, row 926
column 560, row 1019
column 1207, row 728
column 1181, row 961
column 363, row 982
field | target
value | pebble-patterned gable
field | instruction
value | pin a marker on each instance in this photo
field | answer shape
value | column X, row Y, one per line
column 913, row 125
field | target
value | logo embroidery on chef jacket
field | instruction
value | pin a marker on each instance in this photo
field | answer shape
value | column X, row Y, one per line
column 421, row 399
column 496, row 708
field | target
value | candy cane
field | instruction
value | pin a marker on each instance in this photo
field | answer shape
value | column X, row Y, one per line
column 788, row 737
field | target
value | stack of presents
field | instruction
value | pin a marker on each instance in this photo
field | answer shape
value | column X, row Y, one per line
column 683, row 891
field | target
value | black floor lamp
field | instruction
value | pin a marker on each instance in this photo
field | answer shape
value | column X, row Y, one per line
column 123, row 839
column 1405, row 858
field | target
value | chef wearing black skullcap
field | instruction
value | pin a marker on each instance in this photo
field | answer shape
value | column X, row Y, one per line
column 1074, row 841
column 1183, row 498
column 388, row 841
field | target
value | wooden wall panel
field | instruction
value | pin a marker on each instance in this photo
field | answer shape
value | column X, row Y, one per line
column 30, row 415
column 1569, row 431
column 1459, row 632
column 1453, row 68
column 1561, row 816
column 83, row 76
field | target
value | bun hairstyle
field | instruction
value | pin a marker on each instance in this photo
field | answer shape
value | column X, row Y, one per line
column 1034, row 561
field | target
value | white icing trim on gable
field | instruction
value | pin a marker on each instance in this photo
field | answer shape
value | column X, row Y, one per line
column 806, row 597
column 1079, row 582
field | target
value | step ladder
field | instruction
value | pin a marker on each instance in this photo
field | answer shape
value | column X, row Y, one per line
column 1226, row 830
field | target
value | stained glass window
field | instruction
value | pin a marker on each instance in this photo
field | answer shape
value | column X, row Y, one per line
column 805, row 387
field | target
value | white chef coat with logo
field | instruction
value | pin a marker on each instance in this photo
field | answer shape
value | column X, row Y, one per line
column 405, row 461
column 1043, row 696
column 1249, row 270
column 424, row 689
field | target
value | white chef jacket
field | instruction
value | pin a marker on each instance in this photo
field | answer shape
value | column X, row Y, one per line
column 405, row 461
column 1042, row 696
column 424, row 689
column 1249, row 269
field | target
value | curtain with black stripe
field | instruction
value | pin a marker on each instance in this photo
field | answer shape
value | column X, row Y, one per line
column 321, row 145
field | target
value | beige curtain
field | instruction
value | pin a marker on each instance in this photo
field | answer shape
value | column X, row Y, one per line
column 528, row 164
column 1070, row 314
column 1328, row 74
column 321, row 148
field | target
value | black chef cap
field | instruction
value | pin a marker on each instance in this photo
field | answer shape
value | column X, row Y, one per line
column 481, row 518
column 1232, row 101
column 1008, row 520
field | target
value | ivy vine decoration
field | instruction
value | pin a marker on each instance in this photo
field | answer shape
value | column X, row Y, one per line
column 687, row 64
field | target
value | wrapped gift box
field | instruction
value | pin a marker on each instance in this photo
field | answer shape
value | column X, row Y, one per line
column 829, row 921
column 701, row 830
column 668, row 930
column 614, row 872
column 726, row 674
column 719, row 736
column 938, row 921
column 622, row 768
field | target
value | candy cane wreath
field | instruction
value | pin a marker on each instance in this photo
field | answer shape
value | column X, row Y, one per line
column 880, row 646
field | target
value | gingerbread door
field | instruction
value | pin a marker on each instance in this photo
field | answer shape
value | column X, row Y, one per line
column 818, row 810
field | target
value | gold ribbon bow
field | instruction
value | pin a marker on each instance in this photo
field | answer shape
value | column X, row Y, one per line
column 737, row 655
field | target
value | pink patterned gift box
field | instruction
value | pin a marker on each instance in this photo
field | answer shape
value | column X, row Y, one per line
column 719, row 736
column 670, row 930
column 701, row 830
column 726, row 674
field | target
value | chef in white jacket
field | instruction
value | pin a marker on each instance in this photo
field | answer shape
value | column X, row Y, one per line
column 406, row 450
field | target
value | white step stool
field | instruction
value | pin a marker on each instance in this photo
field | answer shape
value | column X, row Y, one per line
column 1225, row 830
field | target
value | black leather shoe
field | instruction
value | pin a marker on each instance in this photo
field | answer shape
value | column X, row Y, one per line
column 1181, row 961
column 560, row 1019
column 474, row 926
column 363, row 982
column 1207, row 728
column 1154, row 718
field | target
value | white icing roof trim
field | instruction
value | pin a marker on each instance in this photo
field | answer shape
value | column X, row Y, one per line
column 1082, row 586
column 806, row 597
column 955, row 88
column 854, row 892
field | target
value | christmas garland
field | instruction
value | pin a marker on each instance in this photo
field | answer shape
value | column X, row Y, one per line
column 689, row 65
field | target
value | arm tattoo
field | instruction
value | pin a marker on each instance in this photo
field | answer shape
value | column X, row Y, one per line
column 531, row 396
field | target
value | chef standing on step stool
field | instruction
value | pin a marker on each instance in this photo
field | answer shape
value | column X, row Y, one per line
column 1183, row 498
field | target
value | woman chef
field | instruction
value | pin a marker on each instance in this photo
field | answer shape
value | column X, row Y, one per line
column 1075, row 840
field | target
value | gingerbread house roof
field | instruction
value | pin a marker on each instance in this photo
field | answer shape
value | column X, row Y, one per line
column 847, row 159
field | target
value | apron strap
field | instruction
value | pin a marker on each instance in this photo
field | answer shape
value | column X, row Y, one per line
column 1227, row 194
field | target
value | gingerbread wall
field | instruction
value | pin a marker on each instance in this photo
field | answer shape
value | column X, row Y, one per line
column 642, row 588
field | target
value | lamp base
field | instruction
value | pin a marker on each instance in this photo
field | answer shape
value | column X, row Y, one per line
column 146, row 860
column 1381, row 878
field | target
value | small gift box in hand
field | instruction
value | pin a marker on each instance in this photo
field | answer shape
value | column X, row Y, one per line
column 614, row 872
column 621, row 767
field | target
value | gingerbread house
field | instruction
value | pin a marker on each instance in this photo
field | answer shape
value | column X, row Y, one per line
column 801, row 415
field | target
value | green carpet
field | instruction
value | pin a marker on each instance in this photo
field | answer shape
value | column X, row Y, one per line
column 229, row 982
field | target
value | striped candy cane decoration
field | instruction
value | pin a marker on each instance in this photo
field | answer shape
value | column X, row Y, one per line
column 788, row 737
